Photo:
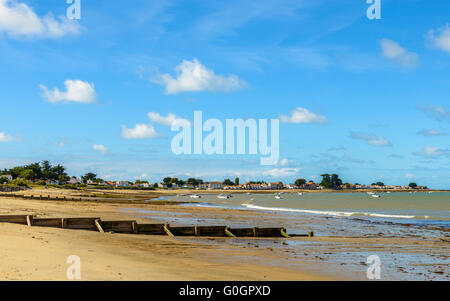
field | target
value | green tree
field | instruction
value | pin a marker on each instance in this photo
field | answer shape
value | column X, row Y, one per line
column 47, row 171
column 228, row 182
column 3, row 180
column 335, row 181
column 331, row 181
column 88, row 177
column 58, row 171
column 194, row 182
column 168, row 181
column 236, row 181
column 326, row 181
column 62, row 179
column 18, row 182
column 300, row 182
column 413, row 185
column 27, row 174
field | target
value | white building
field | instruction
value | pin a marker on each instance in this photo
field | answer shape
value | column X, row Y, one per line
column 9, row 177
column 214, row 185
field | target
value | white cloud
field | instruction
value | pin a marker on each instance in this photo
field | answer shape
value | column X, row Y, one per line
column 169, row 120
column 436, row 112
column 140, row 131
column 281, row 172
column 371, row 139
column 143, row 176
column 284, row 162
column 440, row 38
column 76, row 91
column 394, row 52
column 432, row 151
column 409, row 175
column 431, row 133
column 19, row 20
column 100, row 148
column 5, row 137
column 191, row 76
column 301, row 115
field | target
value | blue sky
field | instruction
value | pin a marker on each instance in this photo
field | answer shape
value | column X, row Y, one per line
column 79, row 92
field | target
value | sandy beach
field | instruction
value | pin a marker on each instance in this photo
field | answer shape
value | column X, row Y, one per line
column 335, row 253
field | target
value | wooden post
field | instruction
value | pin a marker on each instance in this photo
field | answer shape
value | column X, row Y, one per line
column 310, row 234
column 228, row 232
column 28, row 221
column 63, row 223
column 196, row 230
column 284, row 234
column 99, row 227
column 134, row 227
column 166, row 229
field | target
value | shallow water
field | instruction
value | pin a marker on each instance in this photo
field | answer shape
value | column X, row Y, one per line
column 420, row 208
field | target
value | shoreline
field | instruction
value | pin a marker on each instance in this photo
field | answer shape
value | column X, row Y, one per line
column 337, row 252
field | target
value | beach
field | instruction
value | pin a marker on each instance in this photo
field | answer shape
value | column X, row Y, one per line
column 338, row 251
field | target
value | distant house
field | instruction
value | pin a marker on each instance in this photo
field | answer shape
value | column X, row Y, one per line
column 162, row 185
column 311, row 185
column 276, row 185
column 122, row 183
column 9, row 177
column 110, row 183
column 290, row 186
column 203, row 186
column 233, row 187
column 215, row 185
column 74, row 181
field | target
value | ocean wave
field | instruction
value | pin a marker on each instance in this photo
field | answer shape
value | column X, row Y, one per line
column 333, row 213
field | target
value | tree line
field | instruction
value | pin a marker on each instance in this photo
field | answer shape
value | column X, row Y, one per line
column 40, row 171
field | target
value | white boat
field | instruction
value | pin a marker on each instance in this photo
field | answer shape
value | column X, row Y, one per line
column 370, row 193
column 300, row 193
column 195, row 196
column 223, row 196
column 278, row 197
column 375, row 195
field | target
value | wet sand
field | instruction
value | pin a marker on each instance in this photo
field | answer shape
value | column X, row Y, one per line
column 337, row 252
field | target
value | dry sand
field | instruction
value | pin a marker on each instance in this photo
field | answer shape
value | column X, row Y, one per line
column 33, row 253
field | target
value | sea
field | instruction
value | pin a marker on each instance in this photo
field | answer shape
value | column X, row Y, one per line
column 430, row 209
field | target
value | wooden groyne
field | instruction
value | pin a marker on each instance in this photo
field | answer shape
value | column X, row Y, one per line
column 45, row 197
column 132, row 227
column 4, row 188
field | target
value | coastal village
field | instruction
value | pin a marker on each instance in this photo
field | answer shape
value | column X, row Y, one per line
column 45, row 174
